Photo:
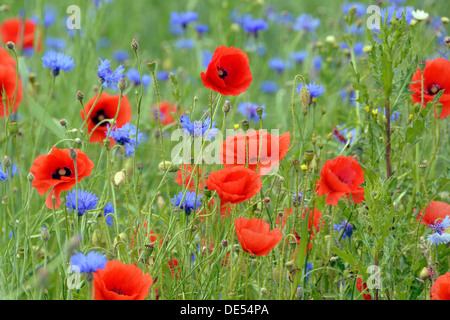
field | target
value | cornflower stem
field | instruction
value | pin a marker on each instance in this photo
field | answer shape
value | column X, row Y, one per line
column 388, row 138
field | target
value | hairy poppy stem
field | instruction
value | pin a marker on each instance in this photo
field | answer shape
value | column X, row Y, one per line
column 388, row 138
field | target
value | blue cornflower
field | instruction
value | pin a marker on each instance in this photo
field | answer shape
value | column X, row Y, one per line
column 348, row 96
column 190, row 202
column 49, row 16
column 109, row 78
column 164, row 75
column 3, row 176
column 253, row 26
column 183, row 43
column 109, row 208
column 277, row 64
column 4, row 173
column 261, row 50
column 357, row 48
column 248, row 110
column 439, row 233
column 126, row 136
column 306, row 22
column 299, row 56
column 55, row 43
column 344, row 225
column 88, row 263
column 360, row 8
column 315, row 90
column 86, row 201
column 317, row 63
column 121, row 55
column 354, row 29
column 309, row 267
column 57, row 61
column 297, row 199
column 201, row 28
column 98, row 2
column 198, row 128
column 269, row 87
column 206, row 58
column 398, row 14
column 183, row 18
column 134, row 77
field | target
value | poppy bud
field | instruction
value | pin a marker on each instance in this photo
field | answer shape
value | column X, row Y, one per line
column 13, row 127
column 148, row 250
column 30, row 177
column 245, row 125
column 422, row 65
column 119, row 178
column 367, row 49
column 308, row 156
column 226, row 106
column 63, row 122
column 444, row 20
column 299, row 293
column 77, row 141
column 122, row 84
column 296, row 164
column 151, row 66
column 259, row 111
column 72, row 154
column 423, row 273
column 167, row 166
column 134, row 45
column 207, row 192
column 6, row 162
column 10, row 45
column 80, row 96
column 305, row 97
column 45, row 235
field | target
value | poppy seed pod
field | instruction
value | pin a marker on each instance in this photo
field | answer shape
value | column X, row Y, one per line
column 13, row 127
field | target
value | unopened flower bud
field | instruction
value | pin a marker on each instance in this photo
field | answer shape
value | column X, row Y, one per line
column 245, row 125
column 259, row 111
column 77, row 141
column 299, row 293
column 423, row 273
column 151, row 66
column 296, row 164
column 224, row 243
column 308, row 156
column 63, row 122
column 422, row 64
column 134, row 45
column 6, row 162
column 119, row 178
column 305, row 97
column 10, row 45
column 45, row 235
column 122, row 85
column 13, row 127
column 167, row 166
column 226, row 106
column 72, row 154
column 207, row 192
column 30, row 177
column 444, row 20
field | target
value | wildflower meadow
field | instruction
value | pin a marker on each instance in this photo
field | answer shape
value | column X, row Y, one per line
column 224, row 150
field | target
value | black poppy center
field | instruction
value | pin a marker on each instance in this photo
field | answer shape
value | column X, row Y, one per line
column 63, row 172
column 118, row 291
column 100, row 116
column 222, row 72
column 434, row 89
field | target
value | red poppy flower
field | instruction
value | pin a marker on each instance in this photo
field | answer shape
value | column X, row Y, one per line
column 255, row 237
column 167, row 110
column 173, row 265
column 440, row 290
column 6, row 59
column 341, row 176
column 435, row 78
column 235, row 184
column 56, row 170
column 362, row 288
column 119, row 281
column 12, row 30
column 314, row 219
column 228, row 73
column 10, row 90
column 271, row 151
column 184, row 175
column 435, row 210
column 105, row 108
